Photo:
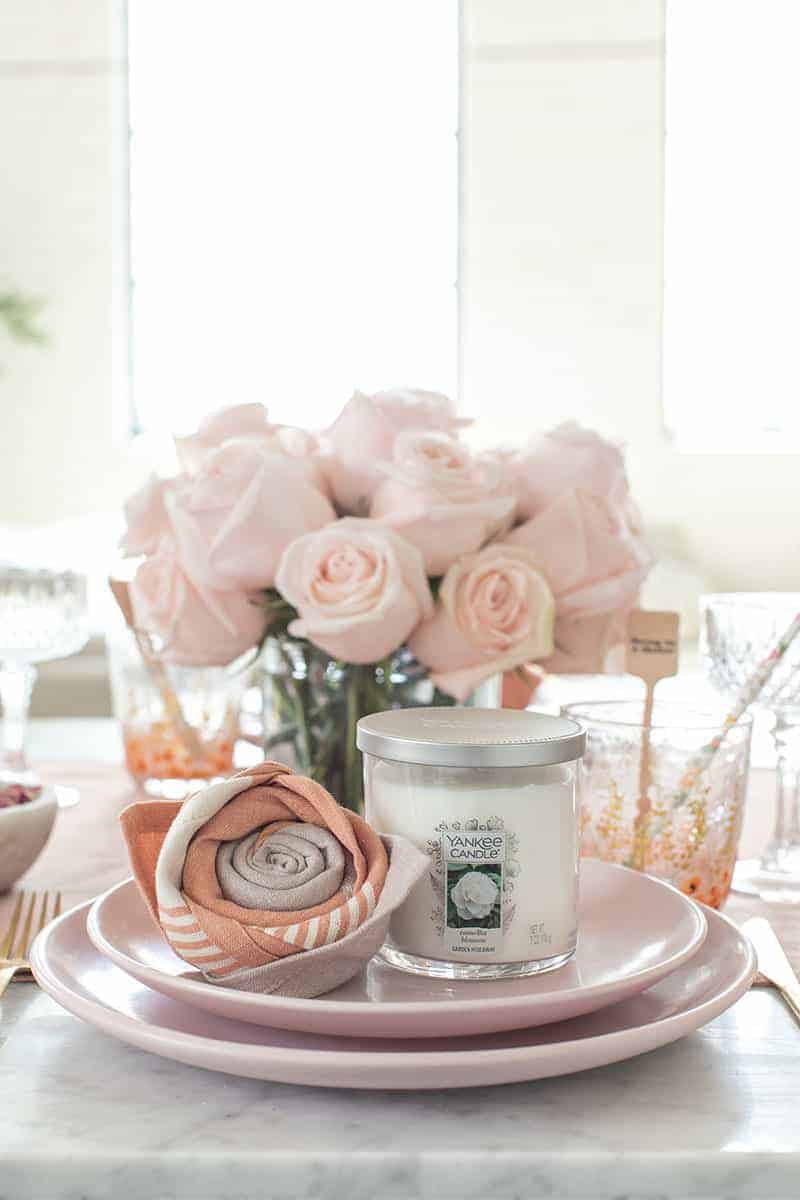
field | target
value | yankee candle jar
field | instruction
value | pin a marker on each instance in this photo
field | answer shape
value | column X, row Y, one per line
column 489, row 796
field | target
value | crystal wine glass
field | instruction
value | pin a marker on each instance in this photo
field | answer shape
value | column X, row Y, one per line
column 738, row 631
column 43, row 615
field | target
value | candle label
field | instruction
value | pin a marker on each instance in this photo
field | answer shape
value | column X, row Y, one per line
column 474, row 864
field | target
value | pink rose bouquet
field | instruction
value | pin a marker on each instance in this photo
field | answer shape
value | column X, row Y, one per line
column 383, row 562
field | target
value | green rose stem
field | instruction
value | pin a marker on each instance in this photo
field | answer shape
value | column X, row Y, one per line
column 315, row 703
column 299, row 708
column 368, row 689
column 352, row 765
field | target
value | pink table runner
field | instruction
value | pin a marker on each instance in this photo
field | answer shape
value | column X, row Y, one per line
column 86, row 854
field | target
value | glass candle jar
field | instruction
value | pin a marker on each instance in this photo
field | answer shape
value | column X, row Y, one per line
column 489, row 796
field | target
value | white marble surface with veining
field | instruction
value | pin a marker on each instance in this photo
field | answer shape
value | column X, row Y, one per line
column 716, row 1115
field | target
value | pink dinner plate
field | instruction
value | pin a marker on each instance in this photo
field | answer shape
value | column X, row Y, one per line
column 71, row 970
column 635, row 930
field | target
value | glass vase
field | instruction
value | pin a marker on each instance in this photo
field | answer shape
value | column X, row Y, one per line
column 312, row 704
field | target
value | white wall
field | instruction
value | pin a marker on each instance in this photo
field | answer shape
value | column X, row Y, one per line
column 61, row 196
column 563, row 269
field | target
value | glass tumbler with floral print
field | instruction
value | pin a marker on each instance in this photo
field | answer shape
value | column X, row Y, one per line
column 179, row 725
column 690, row 838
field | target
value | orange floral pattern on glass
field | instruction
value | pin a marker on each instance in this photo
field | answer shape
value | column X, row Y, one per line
column 156, row 752
column 692, row 846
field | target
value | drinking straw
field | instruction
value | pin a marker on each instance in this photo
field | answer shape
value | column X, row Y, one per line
column 748, row 695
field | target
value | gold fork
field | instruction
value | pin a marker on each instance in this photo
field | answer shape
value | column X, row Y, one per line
column 14, row 948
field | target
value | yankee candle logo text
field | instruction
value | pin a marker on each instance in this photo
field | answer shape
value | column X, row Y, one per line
column 474, row 848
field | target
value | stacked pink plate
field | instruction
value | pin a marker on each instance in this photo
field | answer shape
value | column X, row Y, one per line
column 651, row 967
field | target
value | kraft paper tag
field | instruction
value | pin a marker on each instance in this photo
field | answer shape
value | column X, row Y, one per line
column 651, row 651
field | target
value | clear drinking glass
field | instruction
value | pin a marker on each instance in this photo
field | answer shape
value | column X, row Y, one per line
column 43, row 615
column 689, row 834
column 179, row 724
column 738, row 631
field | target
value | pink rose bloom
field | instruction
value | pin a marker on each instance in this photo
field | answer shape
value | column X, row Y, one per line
column 440, row 498
column 247, row 425
column 501, row 463
column 568, row 457
column 236, row 421
column 198, row 630
column 146, row 518
column 359, row 589
column 364, row 434
column 235, row 517
column 589, row 645
column 301, row 448
column 495, row 612
column 593, row 559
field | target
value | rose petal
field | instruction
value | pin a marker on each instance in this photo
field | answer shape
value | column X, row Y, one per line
column 359, row 589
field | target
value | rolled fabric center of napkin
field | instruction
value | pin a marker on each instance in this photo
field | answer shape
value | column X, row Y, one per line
column 282, row 867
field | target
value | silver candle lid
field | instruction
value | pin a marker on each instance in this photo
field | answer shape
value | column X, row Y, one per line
column 470, row 737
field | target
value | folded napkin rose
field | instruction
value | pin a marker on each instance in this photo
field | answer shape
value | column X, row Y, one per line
column 264, row 883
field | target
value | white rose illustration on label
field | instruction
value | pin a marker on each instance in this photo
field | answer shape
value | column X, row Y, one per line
column 474, row 896
column 473, row 863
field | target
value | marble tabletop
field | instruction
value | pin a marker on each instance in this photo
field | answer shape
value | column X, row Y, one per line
column 714, row 1116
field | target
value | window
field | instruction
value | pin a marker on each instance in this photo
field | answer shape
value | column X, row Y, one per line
column 732, row 257
column 294, row 213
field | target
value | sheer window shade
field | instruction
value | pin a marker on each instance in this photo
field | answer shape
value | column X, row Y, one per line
column 294, row 203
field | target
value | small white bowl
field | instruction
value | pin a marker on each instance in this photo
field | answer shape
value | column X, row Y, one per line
column 24, row 830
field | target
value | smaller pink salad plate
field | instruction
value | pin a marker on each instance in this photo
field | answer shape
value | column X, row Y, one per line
column 70, row 969
column 635, row 930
